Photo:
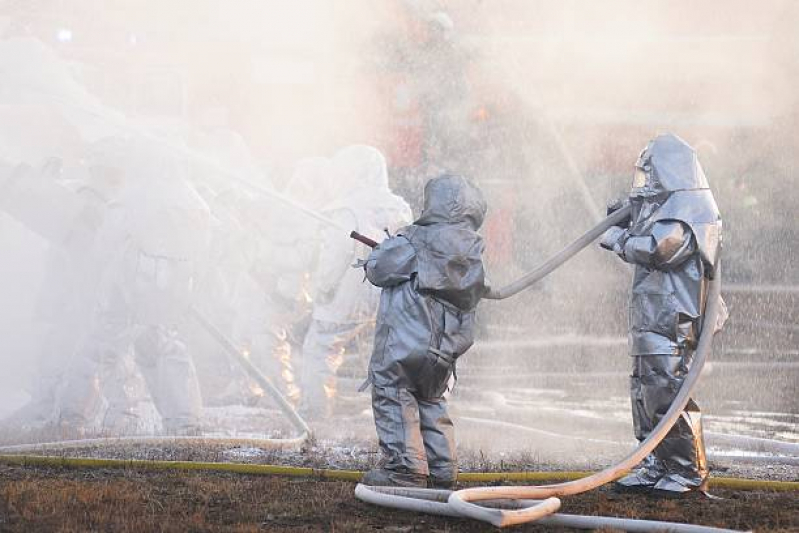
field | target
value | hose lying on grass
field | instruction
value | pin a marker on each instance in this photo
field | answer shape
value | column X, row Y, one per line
column 436, row 502
column 268, row 444
column 345, row 475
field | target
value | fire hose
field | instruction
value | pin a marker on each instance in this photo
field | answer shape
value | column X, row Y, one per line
column 256, row 375
column 554, row 262
column 538, row 502
column 561, row 257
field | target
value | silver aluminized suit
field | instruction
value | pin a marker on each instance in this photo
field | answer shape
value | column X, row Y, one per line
column 673, row 241
column 432, row 278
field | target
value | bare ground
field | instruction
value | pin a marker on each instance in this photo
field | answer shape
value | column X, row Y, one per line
column 66, row 499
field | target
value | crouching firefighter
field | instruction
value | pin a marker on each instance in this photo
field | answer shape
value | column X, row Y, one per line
column 432, row 278
column 673, row 239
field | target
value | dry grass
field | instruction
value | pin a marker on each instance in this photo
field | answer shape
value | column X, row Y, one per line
column 62, row 499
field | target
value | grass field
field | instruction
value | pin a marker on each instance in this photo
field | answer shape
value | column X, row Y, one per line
column 66, row 499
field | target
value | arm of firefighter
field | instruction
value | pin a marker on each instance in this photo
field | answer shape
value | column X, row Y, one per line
column 671, row 242
column 391, row 263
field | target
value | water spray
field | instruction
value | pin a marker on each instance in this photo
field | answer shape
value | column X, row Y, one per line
column 560, row 258
column 119, row 122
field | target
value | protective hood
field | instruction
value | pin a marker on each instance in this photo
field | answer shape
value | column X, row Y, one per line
column 449, row 249
column 668, row 164
column 451, row 199
column 676, row 188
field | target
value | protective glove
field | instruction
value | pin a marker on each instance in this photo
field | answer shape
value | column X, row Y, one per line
column 613, row 238
column 614, row 206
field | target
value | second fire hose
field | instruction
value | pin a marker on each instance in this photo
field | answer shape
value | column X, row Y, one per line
column 256, row 375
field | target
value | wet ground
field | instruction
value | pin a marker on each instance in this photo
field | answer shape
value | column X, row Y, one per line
column 62, row 499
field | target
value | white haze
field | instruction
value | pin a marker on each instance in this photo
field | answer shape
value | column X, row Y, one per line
column 573, row 90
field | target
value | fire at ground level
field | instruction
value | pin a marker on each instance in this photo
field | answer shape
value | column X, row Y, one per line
column 65, row 499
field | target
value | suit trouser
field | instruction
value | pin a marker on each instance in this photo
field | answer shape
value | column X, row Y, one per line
column 415, row 434
column 165, row 364
column 654, row 383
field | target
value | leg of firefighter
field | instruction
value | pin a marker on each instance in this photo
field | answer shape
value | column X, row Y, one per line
column 404, row 461
column 172, row 379
column 322, row 354
column 438, row 434
column 117, row 385
column 678, row 464
column 79, row 400
column 649, row 471
column 682, row 452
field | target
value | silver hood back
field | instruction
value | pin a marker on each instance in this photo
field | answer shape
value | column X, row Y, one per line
column 670, row 164
column 451, row 199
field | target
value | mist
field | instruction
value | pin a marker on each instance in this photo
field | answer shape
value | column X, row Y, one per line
column 545, row 105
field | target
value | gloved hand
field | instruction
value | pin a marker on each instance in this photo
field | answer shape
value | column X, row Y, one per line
column 612, row 239
column 614, row 206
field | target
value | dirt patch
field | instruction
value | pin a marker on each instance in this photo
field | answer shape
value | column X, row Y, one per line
column 65, row 499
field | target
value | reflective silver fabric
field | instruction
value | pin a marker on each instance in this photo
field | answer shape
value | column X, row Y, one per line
column 679, row 462
column 161, row 240
column 673, row 241
column 432, row 278
column 416, row 434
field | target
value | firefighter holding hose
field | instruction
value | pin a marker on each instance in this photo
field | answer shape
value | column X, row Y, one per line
column 672, row 238
column 432, row 278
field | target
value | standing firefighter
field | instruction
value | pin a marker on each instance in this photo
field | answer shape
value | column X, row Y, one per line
column 344, row 306
column 151, row 248
column 432, row 278
column 673, row 240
